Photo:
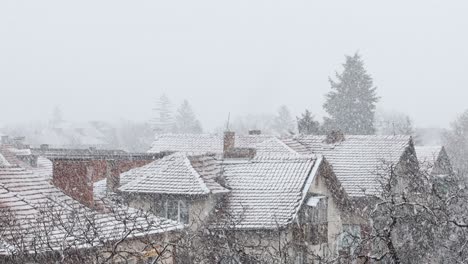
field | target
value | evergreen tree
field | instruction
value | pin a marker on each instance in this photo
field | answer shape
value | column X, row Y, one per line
column 284, row 124
column 351, row 103
column 186, row 121
column 307, row 125
column 163, row 121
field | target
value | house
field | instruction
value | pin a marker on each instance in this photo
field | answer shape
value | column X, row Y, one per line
column 290, row 203
column 361, row 164
column 40, row 222
column 180, row 187
column 262, row 189
column 357, row 160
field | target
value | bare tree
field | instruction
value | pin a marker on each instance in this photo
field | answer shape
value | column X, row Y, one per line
column 221, row 238
column 417, row 217
column 62, row 232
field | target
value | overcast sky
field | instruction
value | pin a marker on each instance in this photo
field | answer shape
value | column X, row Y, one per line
column 111, row 59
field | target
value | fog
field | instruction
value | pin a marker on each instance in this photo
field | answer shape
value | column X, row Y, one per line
column 106, row 60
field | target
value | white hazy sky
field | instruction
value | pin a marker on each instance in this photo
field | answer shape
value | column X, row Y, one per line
column 112, row 59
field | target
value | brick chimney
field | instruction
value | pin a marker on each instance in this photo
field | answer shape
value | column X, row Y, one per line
column 75, row 179
column 231, row 152
column 112, row 176
column 335, row 136
column 229, row 141
column 76, row 176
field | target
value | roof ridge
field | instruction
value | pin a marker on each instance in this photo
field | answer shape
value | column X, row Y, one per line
column 312, row 172
column 18, row 196
column 3, row 161
column 281, row 158
column 196, row 174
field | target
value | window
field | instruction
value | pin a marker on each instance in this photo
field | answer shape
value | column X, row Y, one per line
column 350, row 237
column 183, row 212
column 177, row 210
column 299, row 259
column 317, row 211
column 172, row 210
column 315, row 220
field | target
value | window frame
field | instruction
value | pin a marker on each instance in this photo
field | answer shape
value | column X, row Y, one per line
column 167, row 203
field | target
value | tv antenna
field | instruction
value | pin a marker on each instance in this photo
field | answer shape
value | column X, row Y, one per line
column 227, row 124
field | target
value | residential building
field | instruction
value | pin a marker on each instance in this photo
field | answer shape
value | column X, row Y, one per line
column 263, row 189
column 41, row 223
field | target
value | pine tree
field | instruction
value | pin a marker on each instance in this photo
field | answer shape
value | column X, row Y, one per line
column 307, row 125
column 163, row 121
column 351, row 103
column 284, row 123
column 186, row 121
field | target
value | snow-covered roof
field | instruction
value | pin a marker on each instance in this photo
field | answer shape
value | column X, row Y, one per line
column 264, row 192
column 357, row 159
column 201, row 143
column 267, row 193
column 173, row 174
column 274, row 147
column 3, row 161
column 44, row 168
column 33, row 200
column 428, row 154
column 20, row 152
column 433, row 159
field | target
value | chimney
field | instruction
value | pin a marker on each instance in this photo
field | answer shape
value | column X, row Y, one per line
column 335, row 136
column 75, row 179
column 5, row 140
column 44, row 147
column 255, row 132
column 229, row 141
column 112, row 176
column 33, row 161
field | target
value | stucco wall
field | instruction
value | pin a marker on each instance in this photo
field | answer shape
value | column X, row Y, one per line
column 334, row 216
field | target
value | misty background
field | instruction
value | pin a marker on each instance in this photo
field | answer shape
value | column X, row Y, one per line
column 111, row 60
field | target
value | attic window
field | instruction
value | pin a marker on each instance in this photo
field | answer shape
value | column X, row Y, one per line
column 317, row 211
column 315, row 220
column 314, row 200
column 176, row 210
